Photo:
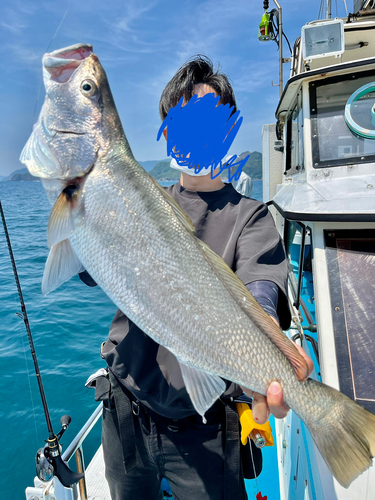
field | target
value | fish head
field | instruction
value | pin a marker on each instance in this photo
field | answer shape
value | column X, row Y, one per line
column 68, row 136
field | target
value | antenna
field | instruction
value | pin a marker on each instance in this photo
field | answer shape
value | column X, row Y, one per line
column 328, row 11
column 266, row 34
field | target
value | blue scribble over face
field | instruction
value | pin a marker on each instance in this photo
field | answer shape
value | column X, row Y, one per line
column 201, row 132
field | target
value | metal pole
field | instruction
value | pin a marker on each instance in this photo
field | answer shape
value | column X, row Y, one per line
column 280, row 47
column 80, row 468
column 328, row 11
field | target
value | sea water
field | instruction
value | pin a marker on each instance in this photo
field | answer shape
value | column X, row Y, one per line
column 68, row 327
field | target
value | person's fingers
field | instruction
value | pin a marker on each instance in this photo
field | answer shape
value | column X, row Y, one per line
column 275, row 400
column 275, row 320
column 302, row 373
column 273, row 403
column 247, row 391
column 309, row 364
column 261, row 411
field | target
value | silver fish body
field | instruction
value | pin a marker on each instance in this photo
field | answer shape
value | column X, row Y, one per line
column 139, row 247
column 155, row 271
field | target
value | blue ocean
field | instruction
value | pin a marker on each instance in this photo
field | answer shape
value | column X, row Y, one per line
column 68, row 327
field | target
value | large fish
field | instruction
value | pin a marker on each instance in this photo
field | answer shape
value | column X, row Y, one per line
column 111, row 218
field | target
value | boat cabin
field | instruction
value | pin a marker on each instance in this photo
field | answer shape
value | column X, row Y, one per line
column 319, row 175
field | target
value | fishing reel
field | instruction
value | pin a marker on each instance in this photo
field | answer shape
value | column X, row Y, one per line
column 49, row 462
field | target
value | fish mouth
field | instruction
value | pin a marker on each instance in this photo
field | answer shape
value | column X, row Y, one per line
column 62, row 63
column 67, row 132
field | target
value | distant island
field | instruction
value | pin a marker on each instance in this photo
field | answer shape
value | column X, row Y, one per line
column 160, row 170
column 253, row 167
column 22, row 174
column 163, row 172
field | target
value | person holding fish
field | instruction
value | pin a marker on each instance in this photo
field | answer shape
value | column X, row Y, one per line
column 171, row 439
column 180, row 264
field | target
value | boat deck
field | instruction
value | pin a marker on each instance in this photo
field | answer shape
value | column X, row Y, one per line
column 97, row 486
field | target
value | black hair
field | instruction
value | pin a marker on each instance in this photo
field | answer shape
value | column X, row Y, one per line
column 199, row 69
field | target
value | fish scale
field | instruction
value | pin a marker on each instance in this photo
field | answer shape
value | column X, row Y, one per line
column 164, row 253
column 139, row 247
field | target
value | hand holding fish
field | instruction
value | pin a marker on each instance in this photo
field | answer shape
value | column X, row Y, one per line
column 273, row 403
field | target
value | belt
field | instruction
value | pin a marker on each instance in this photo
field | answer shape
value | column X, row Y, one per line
column 232, row 458
column 127, row 406
column 124, row 410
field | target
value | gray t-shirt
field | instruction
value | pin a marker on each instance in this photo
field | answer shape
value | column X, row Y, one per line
column 241, row 230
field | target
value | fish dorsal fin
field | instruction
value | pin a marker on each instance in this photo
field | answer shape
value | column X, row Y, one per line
column 62, row 264
column 255, row 312
column 182, row 216
column 60, row 222
column 203, row 388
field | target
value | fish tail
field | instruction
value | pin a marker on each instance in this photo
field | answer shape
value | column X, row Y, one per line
column 344, row 434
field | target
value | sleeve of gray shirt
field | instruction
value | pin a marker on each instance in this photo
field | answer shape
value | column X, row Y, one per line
column 86, row 278
column 266, row 293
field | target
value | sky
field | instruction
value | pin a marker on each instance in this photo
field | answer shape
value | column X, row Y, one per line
column 141, row 44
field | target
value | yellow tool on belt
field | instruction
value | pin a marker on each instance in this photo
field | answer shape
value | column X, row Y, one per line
column 260, row 433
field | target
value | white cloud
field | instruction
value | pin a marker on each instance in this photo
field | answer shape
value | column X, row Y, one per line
column 12, row 20
column 252, row 77
column 13, row 27
column 20, row 53
column 133, row 11
column 27, row 7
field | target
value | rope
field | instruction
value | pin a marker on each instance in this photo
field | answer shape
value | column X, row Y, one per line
column 321, row 9
column 49, row 45
column 252, row 461
column 58, row 28
column 346, row 7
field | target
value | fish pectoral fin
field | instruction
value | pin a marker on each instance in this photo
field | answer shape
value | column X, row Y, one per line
column 203, row 388
column 254, row 311
column 62, row 264
column 60, row 222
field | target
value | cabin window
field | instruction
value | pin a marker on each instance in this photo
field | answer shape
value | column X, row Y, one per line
column 333, row 142
column 294, row 161
column 351, row 272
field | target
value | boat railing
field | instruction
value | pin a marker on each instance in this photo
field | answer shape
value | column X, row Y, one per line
column 53, row 489
column 76, row 448
column 83, row 433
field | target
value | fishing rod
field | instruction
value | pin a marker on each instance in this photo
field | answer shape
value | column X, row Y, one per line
column 49, row 462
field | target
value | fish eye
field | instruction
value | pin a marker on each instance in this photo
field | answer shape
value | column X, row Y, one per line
column 88, row 88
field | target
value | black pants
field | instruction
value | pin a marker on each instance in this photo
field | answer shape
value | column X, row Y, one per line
column 188, row 453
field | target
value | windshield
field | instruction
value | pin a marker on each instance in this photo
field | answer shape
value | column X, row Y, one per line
column 333, row 141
